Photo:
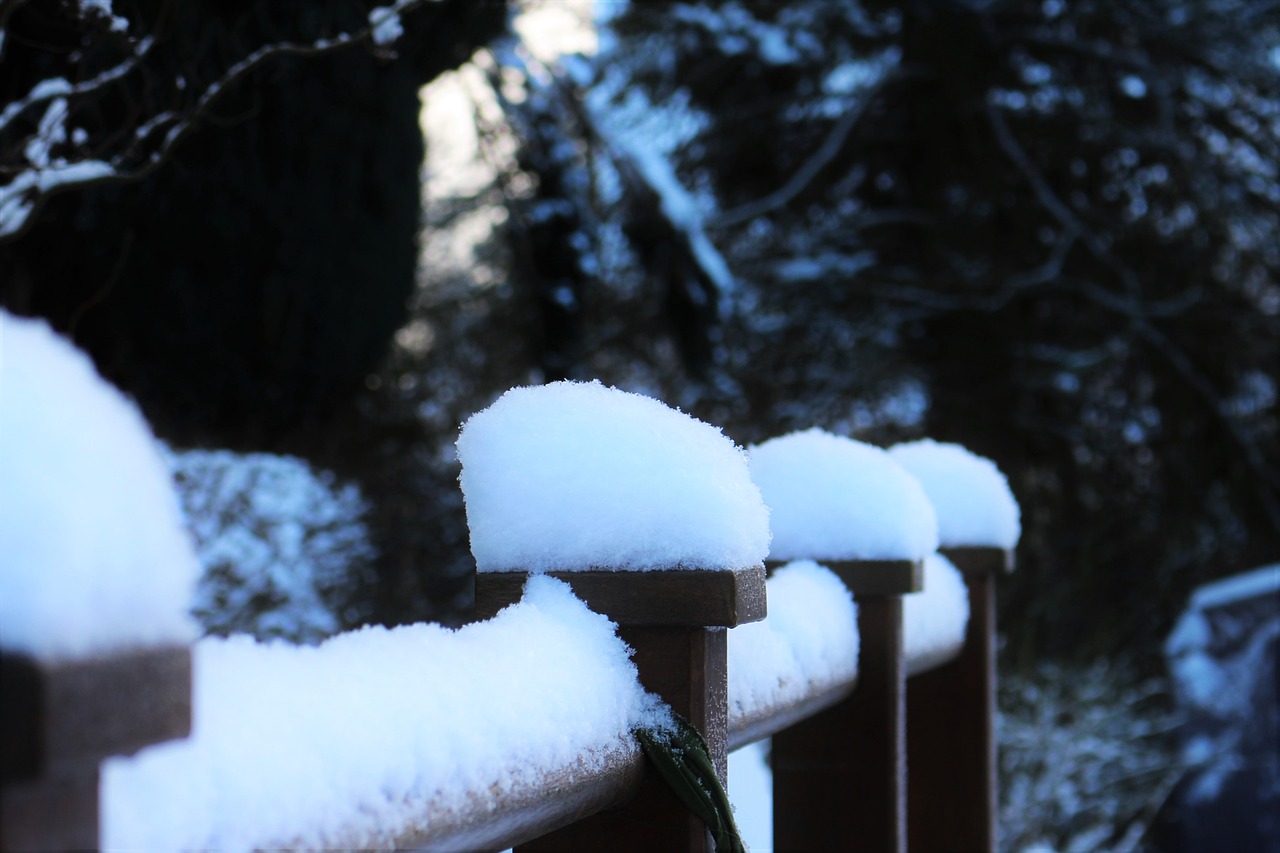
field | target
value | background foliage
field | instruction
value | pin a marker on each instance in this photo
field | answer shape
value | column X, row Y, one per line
column 1045, row 230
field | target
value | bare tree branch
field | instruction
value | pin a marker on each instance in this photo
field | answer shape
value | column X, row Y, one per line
column 35, row 181
column 809, row 170
column 1267, row 480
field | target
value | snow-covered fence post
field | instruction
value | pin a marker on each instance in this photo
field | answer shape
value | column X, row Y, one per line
column 951, row 708
column 840, row 775
column 651, row 517
column 96, row 576
column 676, row 622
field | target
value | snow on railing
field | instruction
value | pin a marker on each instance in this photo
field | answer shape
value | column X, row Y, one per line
column 521, row 723
column 651, row 516
column 391, row 738
column 801, row 658
column 849, row 505
column 951, row 745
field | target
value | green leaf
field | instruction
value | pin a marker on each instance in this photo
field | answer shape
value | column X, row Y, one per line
column 681, row 757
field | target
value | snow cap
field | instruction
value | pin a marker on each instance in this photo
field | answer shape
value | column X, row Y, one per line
column 348, row 744
column 975, row 506
column 935, row 619
column 93, row 554
column 574, row 475
column 834, row 498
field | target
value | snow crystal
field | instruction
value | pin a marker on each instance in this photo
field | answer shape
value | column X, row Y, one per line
column 971, row 496
column 934, row 621
column 343, row 743
column 95, row 557
column 574, row 475
column 808, row 641
column 835, row 498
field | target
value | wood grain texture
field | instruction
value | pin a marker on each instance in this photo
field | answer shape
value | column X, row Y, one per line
column 996, row 561
column 690, row 597
column 493, row 820
column 952, row 791
column 688, row 669
column 839, row 777
column 766, row 722
column 58, row 717
column 872, row 577
column 56, row 813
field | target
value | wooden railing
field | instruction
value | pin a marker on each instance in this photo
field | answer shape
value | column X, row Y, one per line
column 882, row 764
column 57, row 724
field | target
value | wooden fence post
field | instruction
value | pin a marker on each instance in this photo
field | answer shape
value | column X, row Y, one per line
column 58, row 721
column 676, row 621
column 951, row 724
column 839, row 777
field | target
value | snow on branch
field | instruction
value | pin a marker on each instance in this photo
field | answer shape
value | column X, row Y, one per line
column 41, row 157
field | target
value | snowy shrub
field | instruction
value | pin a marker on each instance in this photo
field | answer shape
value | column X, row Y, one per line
column 1086, row 758
column 281, row 545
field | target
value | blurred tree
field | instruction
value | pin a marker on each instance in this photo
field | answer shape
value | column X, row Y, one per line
column 221, row 201
column 1051, row 229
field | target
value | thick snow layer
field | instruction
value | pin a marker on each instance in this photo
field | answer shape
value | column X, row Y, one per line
column 974, row 504
column 808, row 641
column 934, row 620
column 574, row 475
column 344, row 743
column 93, row 555
column 833, row 498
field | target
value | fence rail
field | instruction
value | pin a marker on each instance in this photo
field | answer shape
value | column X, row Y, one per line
column 840, row 750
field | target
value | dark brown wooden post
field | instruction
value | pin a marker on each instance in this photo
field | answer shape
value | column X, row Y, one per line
column 951, row 725
column 58, row 721
column 676, row 621
column 839, row 778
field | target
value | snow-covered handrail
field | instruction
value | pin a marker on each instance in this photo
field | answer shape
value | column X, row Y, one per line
column 95, row 576
column 516, row 729
column 850, row 507
column 414, row 737
column 951, row 708
column 801, row 659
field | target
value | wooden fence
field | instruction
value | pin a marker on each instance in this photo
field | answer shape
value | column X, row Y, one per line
column 884, row 764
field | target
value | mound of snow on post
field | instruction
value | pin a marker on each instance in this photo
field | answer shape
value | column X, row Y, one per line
column 974, row 504
column 351, row 742
column 934, row 620
column 573, row 475
column 93, row 554
column 833, row 498
column 808, row 641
